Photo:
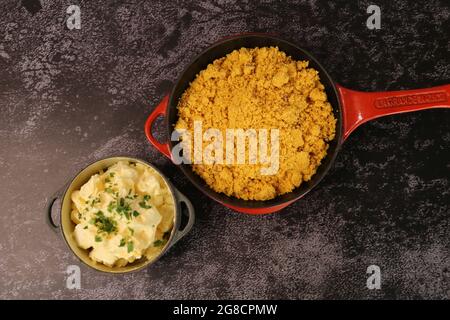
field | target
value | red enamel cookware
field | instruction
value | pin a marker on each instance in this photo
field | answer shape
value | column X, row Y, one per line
column 351, row 109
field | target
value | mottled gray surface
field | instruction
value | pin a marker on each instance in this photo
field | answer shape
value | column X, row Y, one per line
column 68, row 97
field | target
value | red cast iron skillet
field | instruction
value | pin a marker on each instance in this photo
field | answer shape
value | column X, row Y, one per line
column 351, row 109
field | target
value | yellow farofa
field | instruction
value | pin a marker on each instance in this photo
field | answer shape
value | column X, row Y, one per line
column 261, row 88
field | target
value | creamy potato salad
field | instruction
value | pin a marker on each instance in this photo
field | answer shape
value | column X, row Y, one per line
column 123, row 214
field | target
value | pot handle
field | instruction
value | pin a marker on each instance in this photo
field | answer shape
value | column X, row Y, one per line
column 48, row 209
column 359, row 107
column 190, row 215
column 160, row 110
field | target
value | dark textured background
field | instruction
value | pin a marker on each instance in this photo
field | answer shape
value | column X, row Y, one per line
column 69, row 97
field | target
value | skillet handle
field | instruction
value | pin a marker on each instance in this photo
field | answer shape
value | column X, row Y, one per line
column 160, row 110
column 360, row 107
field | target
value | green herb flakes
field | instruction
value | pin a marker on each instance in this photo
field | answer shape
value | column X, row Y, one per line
column 130, row 246
column 144, row 205
column 105, row 224
column 109, row 190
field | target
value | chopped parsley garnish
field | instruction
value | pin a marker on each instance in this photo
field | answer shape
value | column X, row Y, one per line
column 98, row 239
column 130, row 196
column 107, row 180
column 143, row 203
column 111, row 174
column 111, row 206
column 130, row 246
column 94, row 201
column 109, row 190
column 104, row 224
column 85, row 227
column 122, row 243
column 135, row 213
column 131, row 230
column 122, row 207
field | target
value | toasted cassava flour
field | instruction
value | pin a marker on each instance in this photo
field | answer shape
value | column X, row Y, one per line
column 261, row 88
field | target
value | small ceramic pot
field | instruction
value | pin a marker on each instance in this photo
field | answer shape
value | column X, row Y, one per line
column 66, row 226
